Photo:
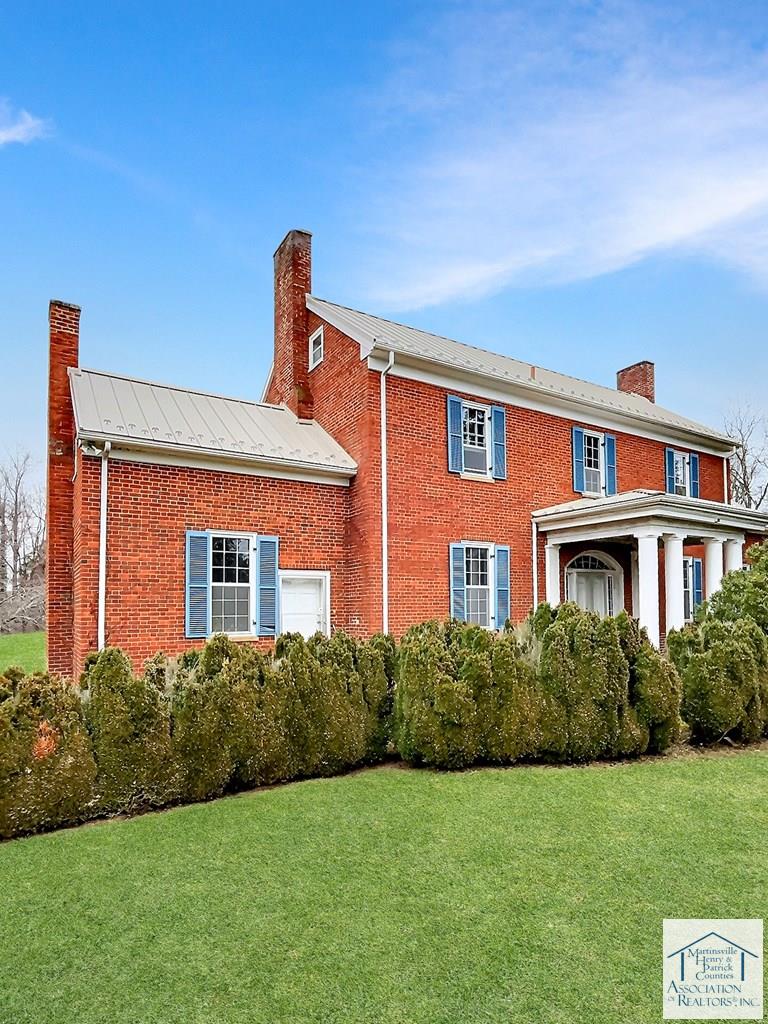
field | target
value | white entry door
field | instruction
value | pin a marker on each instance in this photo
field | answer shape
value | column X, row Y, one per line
column 591, row 591
column 303, row 603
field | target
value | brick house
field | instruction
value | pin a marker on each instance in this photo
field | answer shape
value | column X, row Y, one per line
column 494, row 484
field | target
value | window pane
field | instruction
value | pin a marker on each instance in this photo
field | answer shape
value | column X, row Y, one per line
column 478, row 604
column 474, row 430
column 230, row 609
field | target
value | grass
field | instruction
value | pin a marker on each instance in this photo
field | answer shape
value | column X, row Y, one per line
column 24, row 649
column 388, row 896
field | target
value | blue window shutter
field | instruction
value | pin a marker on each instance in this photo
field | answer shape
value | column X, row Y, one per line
column 198, row 610
column 455, row 435
column 610, row 464
column 499, row 424
column 669, row 455
column 502, row 585
column 268, row 611
column 578, row 459
column 457, row 582
column 693, row 469
column 698, row 592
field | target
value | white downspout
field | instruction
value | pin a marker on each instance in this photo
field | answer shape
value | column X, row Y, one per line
column 535, row 562
column 102, row 613
column 384, row 506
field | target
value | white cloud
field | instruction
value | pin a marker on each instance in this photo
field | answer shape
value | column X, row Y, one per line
column 19, row 126
column 545, row 143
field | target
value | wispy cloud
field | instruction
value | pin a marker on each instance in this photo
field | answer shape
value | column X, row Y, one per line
column 550, row 142
column 19, row 125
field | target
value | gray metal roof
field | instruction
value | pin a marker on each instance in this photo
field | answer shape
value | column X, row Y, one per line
column 138, row 413
column 371, row 330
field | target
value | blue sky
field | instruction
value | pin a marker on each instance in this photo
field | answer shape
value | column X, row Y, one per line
column 579, row 184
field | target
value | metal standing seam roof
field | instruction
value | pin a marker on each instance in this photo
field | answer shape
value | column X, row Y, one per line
column 398, row 338
column 139, row 413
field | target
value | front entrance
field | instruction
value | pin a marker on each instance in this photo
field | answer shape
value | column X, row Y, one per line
column 303, row 603
column 593, row 582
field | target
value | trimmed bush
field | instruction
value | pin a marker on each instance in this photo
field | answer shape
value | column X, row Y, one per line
column 744, row 595
column 47, row 770
column 128, row 719
column 565, row 686
column 724, row 669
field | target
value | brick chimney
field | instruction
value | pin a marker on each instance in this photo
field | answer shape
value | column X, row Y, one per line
column 293, row 280
column 64, row 342
column 638, row 379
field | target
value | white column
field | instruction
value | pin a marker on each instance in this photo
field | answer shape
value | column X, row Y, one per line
column 713, row 565
column 734, row 554
column 673, row 579
column 648, row 584
column 552, row 554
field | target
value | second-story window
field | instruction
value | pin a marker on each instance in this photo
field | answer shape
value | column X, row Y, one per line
column 475, row 435
column 682, row 472
column 593, row 463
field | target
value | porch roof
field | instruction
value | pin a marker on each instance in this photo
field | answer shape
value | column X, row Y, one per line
column 633, row 510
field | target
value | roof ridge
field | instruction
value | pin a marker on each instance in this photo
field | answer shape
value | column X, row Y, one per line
column 177, row 387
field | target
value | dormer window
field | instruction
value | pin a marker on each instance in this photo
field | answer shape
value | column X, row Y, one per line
column 316, row 341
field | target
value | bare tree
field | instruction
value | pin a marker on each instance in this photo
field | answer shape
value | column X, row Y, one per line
column 22, row 546
column 749, row 464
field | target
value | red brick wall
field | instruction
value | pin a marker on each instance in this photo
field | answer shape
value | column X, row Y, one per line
column 150, row 510
column 430, row 507
column 64, row 327
column 347, row 404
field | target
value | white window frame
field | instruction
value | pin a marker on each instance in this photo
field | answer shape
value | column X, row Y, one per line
column 600, row 458
column 492, row 609
column 477, row 474
column 324, row 576
column 685, row 458
column 690, row 590
column 253, row 553
column 319, row 333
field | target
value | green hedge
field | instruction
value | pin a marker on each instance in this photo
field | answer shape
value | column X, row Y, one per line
column 568, row 687
column 724, row 668
column 191, row 728
column 47, row 769
column 723, row 658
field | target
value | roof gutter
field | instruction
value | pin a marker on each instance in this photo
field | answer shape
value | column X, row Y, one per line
column 131, row 444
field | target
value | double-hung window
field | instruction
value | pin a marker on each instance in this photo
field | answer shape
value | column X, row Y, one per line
column 478, row 585
column 476, row 433
column 593, row 462
column 692, row 589
column 682, row 472
column 477, row 439
column 231, row 584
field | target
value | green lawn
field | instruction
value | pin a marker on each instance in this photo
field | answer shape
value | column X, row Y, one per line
column 24, row 649
column 387, row 897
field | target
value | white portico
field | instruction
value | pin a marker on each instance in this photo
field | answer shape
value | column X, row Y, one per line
column 651, row 536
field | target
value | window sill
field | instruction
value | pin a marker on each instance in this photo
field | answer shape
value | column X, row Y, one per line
column 482, row 478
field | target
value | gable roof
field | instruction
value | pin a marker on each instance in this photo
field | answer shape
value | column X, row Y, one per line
column 140, row 414
column 386, row 335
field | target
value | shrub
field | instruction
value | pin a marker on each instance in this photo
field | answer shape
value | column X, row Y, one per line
column 724, row 669
column 744, row 595
column 129, row 723
column 435, row 711
column 563, row 686
column 47, row 769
